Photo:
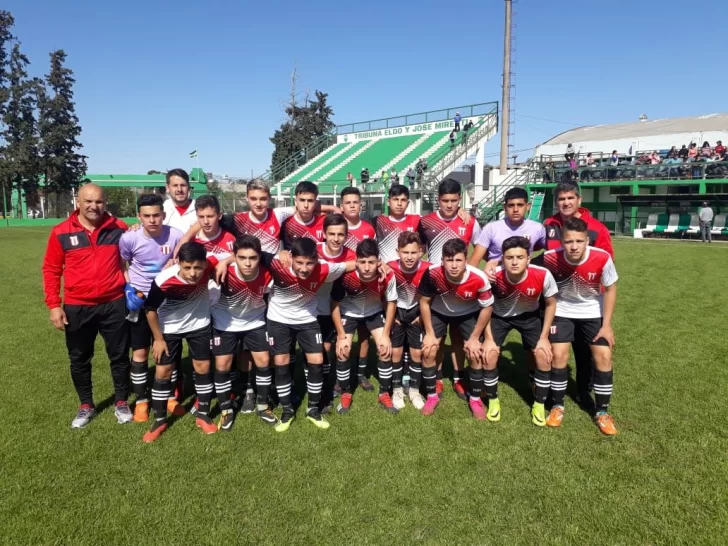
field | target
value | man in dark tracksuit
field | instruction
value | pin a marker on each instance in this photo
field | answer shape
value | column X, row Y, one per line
column 84, row 250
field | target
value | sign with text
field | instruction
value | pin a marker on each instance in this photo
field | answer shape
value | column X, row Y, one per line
column 417, row 129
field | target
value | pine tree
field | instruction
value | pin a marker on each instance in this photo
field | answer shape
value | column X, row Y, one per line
column 6, row 37
column 20, row 168
column 63, row 165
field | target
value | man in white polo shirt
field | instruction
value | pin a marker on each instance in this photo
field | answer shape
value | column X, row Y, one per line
column 179, row 209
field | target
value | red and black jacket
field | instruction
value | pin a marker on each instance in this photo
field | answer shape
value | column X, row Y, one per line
column 599, row 236
column 89, row 263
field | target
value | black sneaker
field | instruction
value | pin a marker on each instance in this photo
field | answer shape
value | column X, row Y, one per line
column 268, row 417
column 365, row 384
column 337, row 390
column 248, row 403
column 327, row 407
column 287, row 418
column 314, row 415
column 227, row 418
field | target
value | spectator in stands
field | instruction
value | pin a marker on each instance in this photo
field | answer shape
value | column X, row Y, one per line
column 548, row 173
column 693, row 152
column 350, row 179
column 421, row 167
column 410, row 177
column 457, row 120
column 706, row 152
column 589, row 164
column 385, row 177
column 452, row 138
column 613, row 163
column 364, row 177
column 394, row 177
column 705, row 216
column 672, row 154
column 719, row 150
column 570, row 154
column 683, row 153
column 655, row 158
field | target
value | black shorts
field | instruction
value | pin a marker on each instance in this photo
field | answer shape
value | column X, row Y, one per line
column 198, row 342
column 372, row 322
column 226, row 343
column 567, row 330
column 140, row 335
column 280, row 337
column 328, row 330
column 529, row 325
column 466, row 324
column 405, row 328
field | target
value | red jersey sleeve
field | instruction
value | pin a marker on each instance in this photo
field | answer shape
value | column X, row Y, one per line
column 604, row 241
column 53, row 262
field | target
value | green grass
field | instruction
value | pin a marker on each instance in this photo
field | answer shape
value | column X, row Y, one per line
column 374, row 478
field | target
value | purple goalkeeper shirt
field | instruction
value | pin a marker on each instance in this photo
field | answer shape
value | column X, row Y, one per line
column 494, row 233
column 147, row 256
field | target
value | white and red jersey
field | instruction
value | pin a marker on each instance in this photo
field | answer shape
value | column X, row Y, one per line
column 293, row 229
column 580, row 295
column 182, row 307
column 292, row 300
column 388, row 229
column 435, row 231
column 512, row 300
column 242, row 305
column 219, row 244
column 356, row 234
column 267, row 231
column 454, row 299
column 360, row 298
column 323, row 296
column 408, row 282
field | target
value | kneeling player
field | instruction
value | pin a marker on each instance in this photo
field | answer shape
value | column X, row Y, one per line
column 358, row 300
column 292, row 311
column 584, row 314
column 517, row 289
column 454, row 294
column 239, row 317
column 408, row 272
column 178, row 308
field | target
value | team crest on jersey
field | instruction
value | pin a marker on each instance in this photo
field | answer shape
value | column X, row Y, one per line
column 319, row 234
column 553, row 330
column 272, row 229
column 552, row 233
column 166, row 249
column 74, row 240
column 410, row 229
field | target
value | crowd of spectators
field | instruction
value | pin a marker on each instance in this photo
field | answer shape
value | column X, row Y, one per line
column 687, row 162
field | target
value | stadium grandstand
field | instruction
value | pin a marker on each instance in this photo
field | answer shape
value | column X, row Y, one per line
column 646, row 178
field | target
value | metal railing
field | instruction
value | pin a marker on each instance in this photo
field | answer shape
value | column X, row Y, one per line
column 666, row 170
column 492, row 203
column 447, row 114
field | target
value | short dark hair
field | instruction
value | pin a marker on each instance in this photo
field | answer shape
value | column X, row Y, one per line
column 350, row 190
column 516, row 193
column 177, row 172
column 207, row 201
column 247, row 242
column 192, row 252
column 407, row 238
column 454, row 247
column 574, row 224
column 367, row 248
column 449, row 185
column 150, row 200
column 395, row 190
column 307, row 187
column 336, row 220
column 516, row 242
column 304, row 247
column 566, row 186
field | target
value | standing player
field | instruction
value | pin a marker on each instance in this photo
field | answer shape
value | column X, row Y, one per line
column 307, row 222
column 515, row 224
column 408, row 272
column 146, row 252
column 435, row 229
column 359, row 298
column 388, row 228
column 454, row 294
column 215, row 239
column 239, row 318
column 582, row 313
column 332, row 251
column 517, row 289
column 179, row 208
column 358, row 229
column 178, row 308
column 292, row 311
column 568, row 202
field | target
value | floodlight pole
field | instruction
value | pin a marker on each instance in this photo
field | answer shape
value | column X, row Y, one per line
column 506, row 100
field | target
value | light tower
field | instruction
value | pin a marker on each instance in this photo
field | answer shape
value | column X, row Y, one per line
column 506, row 100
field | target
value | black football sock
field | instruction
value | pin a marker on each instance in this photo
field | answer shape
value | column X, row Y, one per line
column 397, row 372
column 139, row 373
column 384, row 369
column 161, row 391
column 263, row 379
column 283, row 384
column 559, row 379
column 542, row 384
column 429, row 378
column 603, row 389
column 314, row 384
column 203, row 389
column 476, row 383
column 343, row 374
column 223, row 387
column 490, row 381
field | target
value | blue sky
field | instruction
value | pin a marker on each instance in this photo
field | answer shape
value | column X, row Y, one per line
column 157, row 79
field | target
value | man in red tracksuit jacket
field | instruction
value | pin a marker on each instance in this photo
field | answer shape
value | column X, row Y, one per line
column 568, row 202
column 84, row 250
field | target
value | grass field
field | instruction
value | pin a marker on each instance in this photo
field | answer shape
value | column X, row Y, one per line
column 375, row 478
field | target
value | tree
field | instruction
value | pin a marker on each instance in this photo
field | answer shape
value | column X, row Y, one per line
column 6, row 23
column 62, row 164
column 20, row 168
column 304, row 125
column 121, row 202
